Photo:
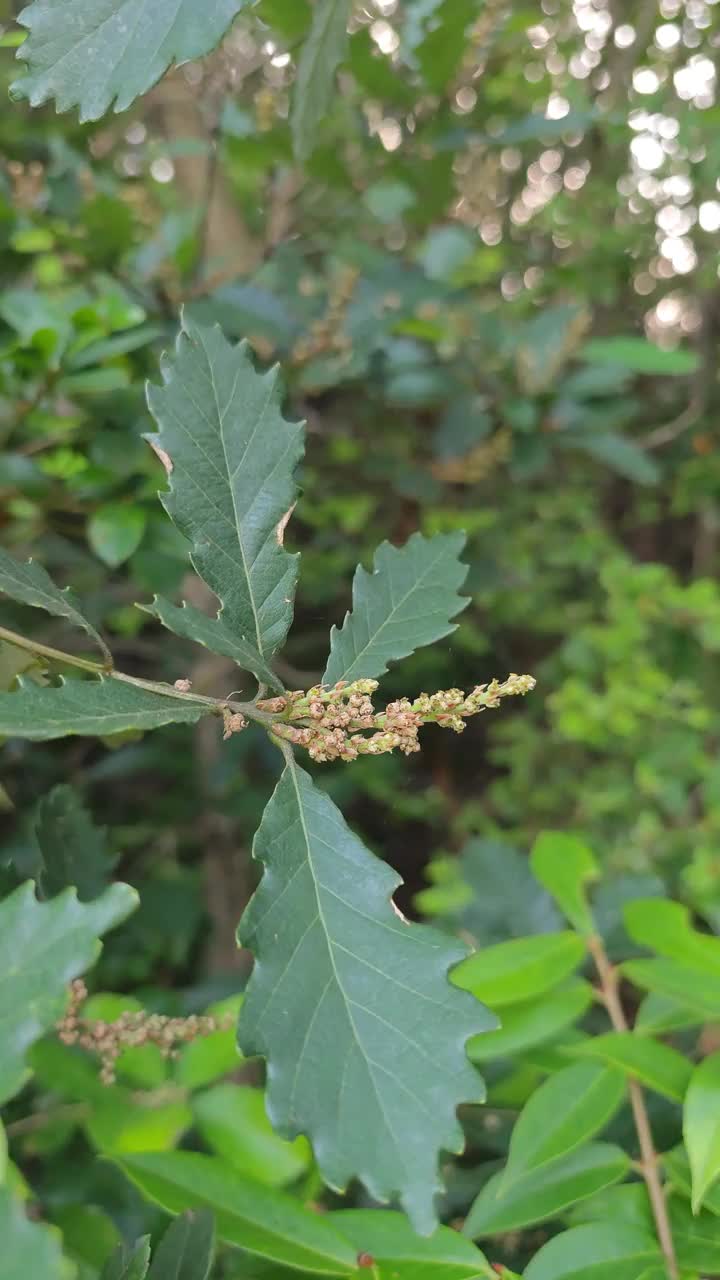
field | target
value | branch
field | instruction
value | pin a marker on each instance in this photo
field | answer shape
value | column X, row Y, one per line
column 217, row 705
column 649, row 1161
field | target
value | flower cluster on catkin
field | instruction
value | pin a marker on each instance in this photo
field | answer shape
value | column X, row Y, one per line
column 107, row 1040
column 342, row 723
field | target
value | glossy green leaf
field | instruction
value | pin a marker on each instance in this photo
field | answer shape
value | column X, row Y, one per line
column 322, row 52
column 93, row 708
column 533, row 1022
column 564, row 865
column 398, row 1253
column 408, row 600
column 115, row 531
column 233, row 1121
column 43, row 946
column 598, row 1251
column 28, row 1249
column 654, row 1064
column 665, row 927
column 91, row 54
column 701, row 1127
column 231, row 458
column 568, row 1109
column 29, row 583
column 372, row 1064
column 186, row 1250
column 520, row 969
column 677, row 981
column 191, row 624
column 545, row 1192
column 129, row 1262
column 73, row 850
column 261, row 1221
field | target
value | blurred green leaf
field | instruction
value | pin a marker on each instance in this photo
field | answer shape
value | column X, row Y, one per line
column 115, row 531
column 520, row 969
column 701, row 1127
column 322, row 52
column 545, row 1192
column 261, row 1221
column 43, row 946
column 603, row 1248
column 564, row 865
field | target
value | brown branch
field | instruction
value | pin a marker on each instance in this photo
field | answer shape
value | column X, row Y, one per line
column 649, row 1159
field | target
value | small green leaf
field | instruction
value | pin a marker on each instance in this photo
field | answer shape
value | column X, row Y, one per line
column 93, row 53
column 93, row 708
column 638, row 355
column 598, row 1251
column 322, row 52
column 520, row 969
column 115, row 531
column 43, row 946
column 678, row 982
column 659, row 1014
column 701, row 1127
column 187, row 1248
column 230, row 457
column 74, row 851
column 191, row 624
column 665, row 927
column 30, row 584
column 533, row 1022
column 212, row 1056
column 564, row 865
column 233, row 1121
column 622, row 454
column 568, row 1109
column 129, row 1262
column 545, row 1192
column 677, row 1168
column 29, row 1251
column 642, row 1058
column 372, row 1065
column 259, row 1220
column 400, row 1254
column 407, row 601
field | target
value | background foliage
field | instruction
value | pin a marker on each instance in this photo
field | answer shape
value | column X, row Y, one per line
column 492, row 283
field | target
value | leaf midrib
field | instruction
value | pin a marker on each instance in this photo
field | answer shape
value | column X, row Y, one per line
column 373, row 639
column 292, row 767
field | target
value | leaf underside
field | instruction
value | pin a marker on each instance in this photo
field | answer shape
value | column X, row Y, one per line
column 409, row 600
column 363, row 1034
column 43, row 946
column 30, row 584
column 92, row 708
column 92, row 53
column 231, row 458
column 189, row 623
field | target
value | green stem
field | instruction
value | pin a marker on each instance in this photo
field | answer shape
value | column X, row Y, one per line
column 215, row 705
column 649, row 1160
